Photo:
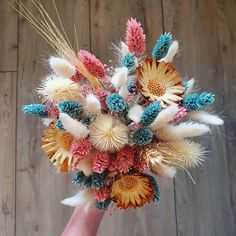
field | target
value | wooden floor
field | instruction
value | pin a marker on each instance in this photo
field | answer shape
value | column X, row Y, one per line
column 30, row 190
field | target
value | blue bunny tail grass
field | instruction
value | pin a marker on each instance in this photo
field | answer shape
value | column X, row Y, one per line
column 143, row 136
column 72, row 108
column 116, row 103
column 156, row 195
column 128, row 61
column 132, row 87
column 162, row 46
column 195, row 101
column 150, row 114
column 35, row 110
column 99, row 180
column 103, row 205
column 79, row 178
column 59, row 125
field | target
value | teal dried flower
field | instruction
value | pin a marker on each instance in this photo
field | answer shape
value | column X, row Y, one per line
column 150, row 114
column 103, row 205
column 132, row 87
column 128, row 61
column 143, row 136
column 59, row 125
column 87, row 120
column 162, row 46
column 79, row 178
column 197, row 101
column 116, row 103
column 156, row 195
column 35, row 110
column 88, row 182
column 72, row 108
column 99, row 180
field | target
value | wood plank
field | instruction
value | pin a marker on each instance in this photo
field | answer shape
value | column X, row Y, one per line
column 206, row 37
column 7, row 154
column 39, row 188
column 8, row 37
column 108, row 23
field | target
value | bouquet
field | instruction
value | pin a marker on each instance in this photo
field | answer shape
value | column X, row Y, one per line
column 121, row 126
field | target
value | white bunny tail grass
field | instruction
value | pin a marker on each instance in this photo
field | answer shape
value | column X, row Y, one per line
column 47, row 121
column 184, row 153
column 164, row 117
column 190, row 84
column 205, row 117
column 135, row 113
column 164, row 170
column 120, row 77
column 123, row 92
column 120, row 50
column 62, row 67
column 183, row 130
column 76, row 128
column 83, row 197
column 173, row 50
column 57, row 89
column 92, row 104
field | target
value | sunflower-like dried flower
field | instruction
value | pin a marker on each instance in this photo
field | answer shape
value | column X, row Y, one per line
column 160, row 82
column 132, row 191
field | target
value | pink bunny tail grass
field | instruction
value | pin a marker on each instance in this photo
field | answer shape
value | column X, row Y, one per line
column 93, row 65
column 135, row 38
column 182, row 112
column 81, row 148
column 100, row 162
column 101, row 195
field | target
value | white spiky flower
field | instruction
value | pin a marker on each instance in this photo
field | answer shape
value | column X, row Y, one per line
column 107, row 133
column 57, row 89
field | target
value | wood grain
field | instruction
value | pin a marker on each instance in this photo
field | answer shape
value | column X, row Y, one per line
column 7, row 154
column 205, row 208
column 108, row 24
column 8, row 37
column 39, row 188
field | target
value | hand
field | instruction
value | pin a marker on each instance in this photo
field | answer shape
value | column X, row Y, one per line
column 83, row 223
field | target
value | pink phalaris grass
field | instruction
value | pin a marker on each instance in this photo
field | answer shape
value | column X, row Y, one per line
column 78, row 77
column 101, row 194
column 86, row 89
column 81, row 148
column 125, row 158
column 93, row 65
column 135, row 38
column 100, row 162
column 182, row 112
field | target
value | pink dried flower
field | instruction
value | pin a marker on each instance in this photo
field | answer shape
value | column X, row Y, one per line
column 52, row 109
column 182, row 112
column 139, row 164
column 86, row 89
column 125, row 158
column 131, row 98
column 107, row 81
column 77, row 77
column 134, row 126
column 101, row 194
column 100, row 162
column 135, row 38
column 101, row 94
column 93, row 65
column 113, row 163
column 81, row 148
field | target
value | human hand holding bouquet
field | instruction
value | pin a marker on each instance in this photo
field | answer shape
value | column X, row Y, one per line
column 110, row 124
